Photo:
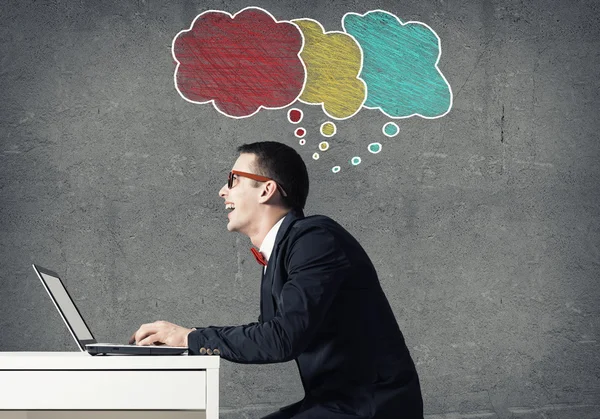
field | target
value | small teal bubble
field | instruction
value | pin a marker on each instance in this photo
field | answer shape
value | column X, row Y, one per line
column 355, row 161
column 375, row 148
column 336, row 169
column 391, row 129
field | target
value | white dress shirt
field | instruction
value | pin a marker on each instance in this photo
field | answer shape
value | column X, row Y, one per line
column 266, row 248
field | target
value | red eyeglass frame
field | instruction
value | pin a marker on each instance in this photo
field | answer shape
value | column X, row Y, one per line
column 252, row 176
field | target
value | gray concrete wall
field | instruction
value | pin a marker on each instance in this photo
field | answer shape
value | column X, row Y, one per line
column 484, row 225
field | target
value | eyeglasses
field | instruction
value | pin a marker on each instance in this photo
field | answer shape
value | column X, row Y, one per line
column 252, row 176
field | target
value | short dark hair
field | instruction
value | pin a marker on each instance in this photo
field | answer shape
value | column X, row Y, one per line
column 284, row 165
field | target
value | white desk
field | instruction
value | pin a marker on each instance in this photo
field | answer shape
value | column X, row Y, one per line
column 79, row 381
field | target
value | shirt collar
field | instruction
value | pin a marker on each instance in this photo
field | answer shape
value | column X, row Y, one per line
column 266, row 248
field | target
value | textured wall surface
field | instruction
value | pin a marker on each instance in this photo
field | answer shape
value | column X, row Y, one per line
column 484, row 225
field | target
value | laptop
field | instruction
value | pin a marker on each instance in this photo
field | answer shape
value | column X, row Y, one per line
column 79, row 329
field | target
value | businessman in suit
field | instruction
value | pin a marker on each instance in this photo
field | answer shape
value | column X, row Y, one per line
column 321, row 303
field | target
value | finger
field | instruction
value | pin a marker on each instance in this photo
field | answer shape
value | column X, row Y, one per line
column 148, row 329
column 142, row 332
column 136, row 336
column 145, row 335
column 150, row 340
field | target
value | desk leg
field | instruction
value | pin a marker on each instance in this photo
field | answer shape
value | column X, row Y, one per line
column 212, row 393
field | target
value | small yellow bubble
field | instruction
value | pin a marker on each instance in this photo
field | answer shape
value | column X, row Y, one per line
column 323, row 146
column 328, row 129
column 316, row 156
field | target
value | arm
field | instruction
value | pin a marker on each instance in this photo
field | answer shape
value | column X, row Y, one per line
column 316, row 267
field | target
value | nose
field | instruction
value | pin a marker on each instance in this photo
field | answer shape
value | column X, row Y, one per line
column 223, row 192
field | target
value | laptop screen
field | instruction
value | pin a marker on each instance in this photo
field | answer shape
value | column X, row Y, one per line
column 66, row 306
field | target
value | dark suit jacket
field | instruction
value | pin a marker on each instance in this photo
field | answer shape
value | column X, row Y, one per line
column 322, row 306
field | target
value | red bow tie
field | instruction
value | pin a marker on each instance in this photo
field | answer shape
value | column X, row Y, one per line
column 259, row 257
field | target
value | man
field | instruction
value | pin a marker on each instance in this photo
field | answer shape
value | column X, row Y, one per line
column 321, row 302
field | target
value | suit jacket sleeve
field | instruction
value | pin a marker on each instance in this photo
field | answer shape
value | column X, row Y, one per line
column 316, row 267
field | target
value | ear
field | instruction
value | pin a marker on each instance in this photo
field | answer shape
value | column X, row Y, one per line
column 269, row 189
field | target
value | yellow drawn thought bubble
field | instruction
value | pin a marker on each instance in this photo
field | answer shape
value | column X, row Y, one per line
column 333, row 62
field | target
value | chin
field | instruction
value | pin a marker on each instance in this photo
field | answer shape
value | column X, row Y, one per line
column 231, row 226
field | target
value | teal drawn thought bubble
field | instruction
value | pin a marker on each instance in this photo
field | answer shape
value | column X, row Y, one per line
column 400, row 65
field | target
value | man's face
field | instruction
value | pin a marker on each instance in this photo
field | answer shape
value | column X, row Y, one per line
column 242, row 200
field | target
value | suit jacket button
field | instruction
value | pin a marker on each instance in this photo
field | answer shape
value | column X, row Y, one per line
column 216, row 352
column 209, row 352
column 202, row 351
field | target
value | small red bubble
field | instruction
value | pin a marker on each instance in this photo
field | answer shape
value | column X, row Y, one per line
column 300, row 132
column 295, row 115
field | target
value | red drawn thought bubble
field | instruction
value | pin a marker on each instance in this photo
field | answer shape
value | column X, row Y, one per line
column 241, row 62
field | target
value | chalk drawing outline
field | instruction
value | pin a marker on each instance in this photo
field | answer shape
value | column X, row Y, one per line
column 300, row 135
column 289, row 117
column 212, row 101
column 356, row 159
column 362, row 57
column 390, row 135
column 436, row 62
column 323, row 146
column 375, row 152
column 328, row 135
